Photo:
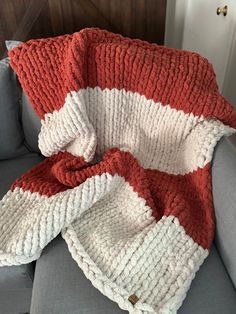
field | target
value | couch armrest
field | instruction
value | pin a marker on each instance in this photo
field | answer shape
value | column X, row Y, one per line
column 224, row 197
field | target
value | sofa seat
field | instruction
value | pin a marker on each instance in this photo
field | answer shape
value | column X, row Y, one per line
column 61, row 287
column 16, row 282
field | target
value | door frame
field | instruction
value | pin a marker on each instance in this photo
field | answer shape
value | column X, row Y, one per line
column 175, row 19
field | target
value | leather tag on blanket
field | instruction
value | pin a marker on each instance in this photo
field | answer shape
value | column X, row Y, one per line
column 133, row 299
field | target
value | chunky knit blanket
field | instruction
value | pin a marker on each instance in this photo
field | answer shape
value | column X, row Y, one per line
column 129, row 130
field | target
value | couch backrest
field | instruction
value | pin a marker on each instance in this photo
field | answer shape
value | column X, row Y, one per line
column 11, row 133
column 31, row 124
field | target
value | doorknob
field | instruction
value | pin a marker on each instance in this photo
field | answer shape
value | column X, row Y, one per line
column 223, row 10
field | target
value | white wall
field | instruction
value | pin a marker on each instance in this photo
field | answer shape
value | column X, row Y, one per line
column 194, row 25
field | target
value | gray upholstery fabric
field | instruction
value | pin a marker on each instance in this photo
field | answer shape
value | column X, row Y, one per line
column 224, row 194
column 212, row 291
column 15, row 281
column 11, row 134
column 31, row 124
column 12, row 169
column 16, row 277
column 60, row 287
column 30, row 121
column 15, row 289
column 15, row 301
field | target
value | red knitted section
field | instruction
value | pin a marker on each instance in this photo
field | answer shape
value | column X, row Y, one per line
column 41, row 178
column 50, row 68
column 187, row 197
column 62, row 171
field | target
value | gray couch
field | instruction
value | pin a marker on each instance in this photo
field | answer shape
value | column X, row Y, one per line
column 54, row 284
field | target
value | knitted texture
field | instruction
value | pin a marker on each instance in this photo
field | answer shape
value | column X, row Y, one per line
column 129, row 129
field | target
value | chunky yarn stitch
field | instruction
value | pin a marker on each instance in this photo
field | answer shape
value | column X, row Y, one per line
column 129, row 129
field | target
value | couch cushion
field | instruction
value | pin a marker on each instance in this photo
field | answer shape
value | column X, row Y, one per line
column 61, row 287
column 15, row 301
column 224, row 194
column 212, row 291
column 12, row 169
column 11, row 133
column 15, row 281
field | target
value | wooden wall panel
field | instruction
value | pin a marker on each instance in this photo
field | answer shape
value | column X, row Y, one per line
column 25, row 19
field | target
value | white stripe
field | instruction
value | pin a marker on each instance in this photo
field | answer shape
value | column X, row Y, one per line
column 113, row 237
column 159, row 136
column 29, row 220
column 60, row 128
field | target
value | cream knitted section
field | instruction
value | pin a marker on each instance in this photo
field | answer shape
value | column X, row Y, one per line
column 176, row 142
